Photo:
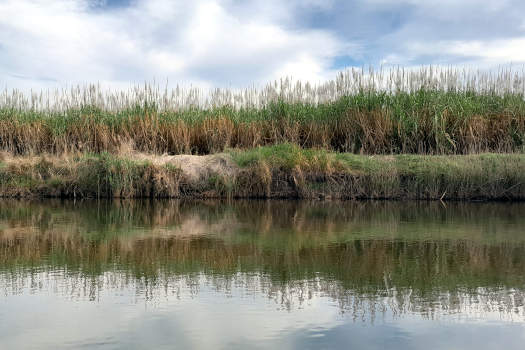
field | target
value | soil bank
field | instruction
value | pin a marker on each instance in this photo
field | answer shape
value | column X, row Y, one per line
column 281, row 171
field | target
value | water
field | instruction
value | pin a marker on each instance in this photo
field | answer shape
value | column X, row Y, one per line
column 254, row 274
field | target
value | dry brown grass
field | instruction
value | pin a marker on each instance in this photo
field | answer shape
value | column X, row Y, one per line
column 282, row 171
column 362, row 132
column 431, row 110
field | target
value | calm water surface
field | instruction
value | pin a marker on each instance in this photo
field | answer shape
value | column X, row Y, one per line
column 254, row 274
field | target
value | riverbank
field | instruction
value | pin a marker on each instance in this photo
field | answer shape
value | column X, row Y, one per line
column 280, row 171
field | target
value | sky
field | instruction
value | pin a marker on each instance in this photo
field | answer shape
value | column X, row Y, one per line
column 241, row 43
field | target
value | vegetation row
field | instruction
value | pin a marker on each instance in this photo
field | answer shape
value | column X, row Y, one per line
column 281, row 171
column 430, row 111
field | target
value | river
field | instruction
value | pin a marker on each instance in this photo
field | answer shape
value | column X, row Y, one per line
column 261, row 274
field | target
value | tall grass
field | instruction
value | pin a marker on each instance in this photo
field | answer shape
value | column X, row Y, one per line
column 431, row 111
column 505, row 81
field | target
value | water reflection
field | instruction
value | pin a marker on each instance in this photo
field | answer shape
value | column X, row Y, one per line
column 370, row 259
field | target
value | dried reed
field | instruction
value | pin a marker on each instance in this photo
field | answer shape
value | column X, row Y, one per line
column 431, row 111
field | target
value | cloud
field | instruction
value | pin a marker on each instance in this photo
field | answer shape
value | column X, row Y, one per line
column 481, row 53
column 46, row 43
column 447, row 32
column 201, row 42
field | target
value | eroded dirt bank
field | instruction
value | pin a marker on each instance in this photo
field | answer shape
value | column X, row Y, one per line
column 283, row 171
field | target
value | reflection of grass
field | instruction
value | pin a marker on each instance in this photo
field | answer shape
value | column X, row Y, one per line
column 357, row 244
column 417, row 254
column 305, row 223
column 425, row 266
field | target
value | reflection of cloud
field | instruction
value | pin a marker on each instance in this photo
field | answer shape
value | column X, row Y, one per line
column 210, row 320
column 369, row 307
column 240, row 318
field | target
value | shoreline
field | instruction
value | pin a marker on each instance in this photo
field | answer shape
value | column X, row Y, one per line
column 283, row 171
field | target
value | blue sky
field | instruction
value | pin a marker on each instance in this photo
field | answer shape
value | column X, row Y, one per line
column 46, row 43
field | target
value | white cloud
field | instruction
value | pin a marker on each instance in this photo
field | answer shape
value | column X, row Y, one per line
column 201, row 42
column 482, row 53
column 512, row 50
column 45, row 43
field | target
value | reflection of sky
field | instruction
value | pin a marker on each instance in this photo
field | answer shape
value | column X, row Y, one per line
column 239, row 318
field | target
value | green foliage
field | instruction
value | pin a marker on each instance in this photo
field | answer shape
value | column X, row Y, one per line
column 283, row 170
column 372, row 122
column 486, row 176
